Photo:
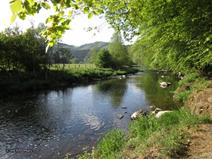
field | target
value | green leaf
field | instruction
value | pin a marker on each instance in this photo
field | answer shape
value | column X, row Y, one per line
column 31, row 2
column 90, row 15
column 45, row 5
column 86, row 10
column 16, row 6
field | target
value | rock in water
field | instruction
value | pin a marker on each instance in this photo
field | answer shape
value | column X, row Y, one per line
column 120, row 116
column 136, row 114
column 124, row 76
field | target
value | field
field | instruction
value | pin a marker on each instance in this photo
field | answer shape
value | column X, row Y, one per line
column 88, row 70
column 73, row 67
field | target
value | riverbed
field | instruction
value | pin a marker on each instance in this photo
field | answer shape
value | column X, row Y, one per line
column 50, row 124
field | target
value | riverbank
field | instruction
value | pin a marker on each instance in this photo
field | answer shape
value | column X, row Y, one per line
column 173, row 135
column 13, row 82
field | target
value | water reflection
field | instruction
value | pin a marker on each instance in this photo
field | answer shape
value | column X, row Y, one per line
column 113, row 88
column 154, row 93
column 52, row 123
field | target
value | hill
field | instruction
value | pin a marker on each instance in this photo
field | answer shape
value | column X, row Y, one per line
column 81, row 53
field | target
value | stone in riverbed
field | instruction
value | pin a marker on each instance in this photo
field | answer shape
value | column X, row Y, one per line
column 138, row 113
column 124, row 107
column 120, row 116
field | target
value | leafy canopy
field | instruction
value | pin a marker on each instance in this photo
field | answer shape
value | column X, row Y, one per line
column 173, row 34
column 64, row 11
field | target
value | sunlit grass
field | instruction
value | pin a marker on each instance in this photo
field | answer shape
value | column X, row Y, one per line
column 165, row 135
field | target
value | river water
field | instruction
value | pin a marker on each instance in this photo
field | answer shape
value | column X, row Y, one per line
column 50, row 124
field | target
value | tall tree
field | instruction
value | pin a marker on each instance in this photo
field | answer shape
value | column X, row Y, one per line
column 118, row 50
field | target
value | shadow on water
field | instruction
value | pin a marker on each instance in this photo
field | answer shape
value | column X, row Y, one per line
column 113, row 88
column 50, row 124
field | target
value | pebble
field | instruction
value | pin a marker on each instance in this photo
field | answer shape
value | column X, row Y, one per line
column 120, row 116
column 124, row 107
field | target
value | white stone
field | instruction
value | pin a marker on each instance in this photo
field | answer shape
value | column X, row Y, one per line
column 160, row 113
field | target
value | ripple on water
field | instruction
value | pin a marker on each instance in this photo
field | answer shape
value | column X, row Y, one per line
column 94, row 122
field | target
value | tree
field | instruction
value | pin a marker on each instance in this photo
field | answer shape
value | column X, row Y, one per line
column 92, row 55
column 22, row 51
column 101, row 58
column 60, row 55
column 173, row 34
column 118, row 51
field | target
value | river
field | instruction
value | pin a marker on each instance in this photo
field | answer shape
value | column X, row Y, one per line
column 51, row 123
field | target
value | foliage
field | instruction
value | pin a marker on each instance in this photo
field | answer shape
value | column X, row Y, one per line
column 63, row 13
column 58, row 55
column 21, row 51
column 173, row 34
column 93, row 55
column 104, row 59
column 101, row 58
column 118, row 51
column 116, row 56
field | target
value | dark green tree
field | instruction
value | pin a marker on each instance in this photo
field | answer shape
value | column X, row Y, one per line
column 104, row 59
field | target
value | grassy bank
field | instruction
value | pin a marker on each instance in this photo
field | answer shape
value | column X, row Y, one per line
column 12, row 82
column 192, row 82
column 166, row 137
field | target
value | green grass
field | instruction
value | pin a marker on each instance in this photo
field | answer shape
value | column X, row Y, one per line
column 89, row 69
column 73, row 67
column 56, row 77
column 166, row 135
column 190, row 83
column 108, row 147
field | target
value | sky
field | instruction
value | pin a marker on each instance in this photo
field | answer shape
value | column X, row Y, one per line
column 77, row 35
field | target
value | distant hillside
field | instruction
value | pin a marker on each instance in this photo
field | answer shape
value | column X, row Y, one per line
column 82, row 52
